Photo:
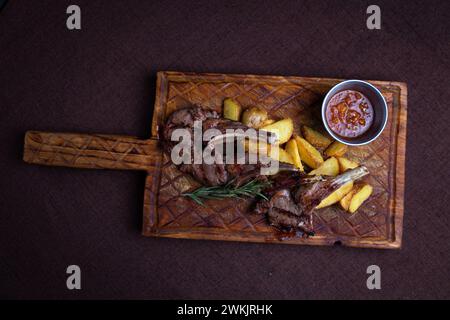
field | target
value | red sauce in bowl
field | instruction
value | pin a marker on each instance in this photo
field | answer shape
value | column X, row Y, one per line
column 349, row 113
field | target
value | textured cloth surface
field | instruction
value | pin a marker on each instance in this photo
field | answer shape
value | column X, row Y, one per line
column 102, row 79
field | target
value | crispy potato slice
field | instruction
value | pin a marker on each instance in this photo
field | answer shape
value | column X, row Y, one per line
column 308, row 153
column 315, row 138
column 345, row 201
column 272, row 151
column 336, row 195
column 283, row 156
column 336, row 149
column 345, row 164
column 267, row 122
column 359, row 197
column 254, row 117
column 231, row 109
column 329, row 168
column 292, row 149
column 283, row 129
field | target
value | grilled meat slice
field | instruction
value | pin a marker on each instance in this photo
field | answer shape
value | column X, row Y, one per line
column 284, row 214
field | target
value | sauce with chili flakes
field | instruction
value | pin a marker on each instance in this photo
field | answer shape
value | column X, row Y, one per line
column 349, row 113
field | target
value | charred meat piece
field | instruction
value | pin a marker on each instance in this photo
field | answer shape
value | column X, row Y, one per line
column 286, row 215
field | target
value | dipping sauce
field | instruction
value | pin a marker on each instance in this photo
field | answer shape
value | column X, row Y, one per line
column 349, row 113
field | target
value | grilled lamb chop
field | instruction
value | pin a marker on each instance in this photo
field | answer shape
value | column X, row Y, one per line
column 216, row 173
column 290, row 208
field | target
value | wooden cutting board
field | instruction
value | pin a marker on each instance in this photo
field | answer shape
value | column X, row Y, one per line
column 377, row 224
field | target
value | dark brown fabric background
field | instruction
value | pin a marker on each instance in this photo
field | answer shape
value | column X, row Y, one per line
column 102, row 79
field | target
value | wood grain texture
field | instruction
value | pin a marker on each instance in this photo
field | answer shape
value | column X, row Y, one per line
column 91, row 151
column 378, row 224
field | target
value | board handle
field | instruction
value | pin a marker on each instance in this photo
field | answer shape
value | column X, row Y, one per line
column 92, row 151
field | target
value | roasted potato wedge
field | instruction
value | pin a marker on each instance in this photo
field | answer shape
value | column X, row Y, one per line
column 254, row 117
column 315, row 138
column 359, row 197
column 267, row 122
column 292, row 149
column 264, row 149
column 277, row 153
column 329, row 168
column 308, row 154
column 345, row 201
column 283, row 129
column 336, row 149
column 336, row 195
column 345, row 164
column 231, row 109
column 283, row 156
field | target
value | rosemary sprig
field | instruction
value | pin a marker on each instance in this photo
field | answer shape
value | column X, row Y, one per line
column 250, row 189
